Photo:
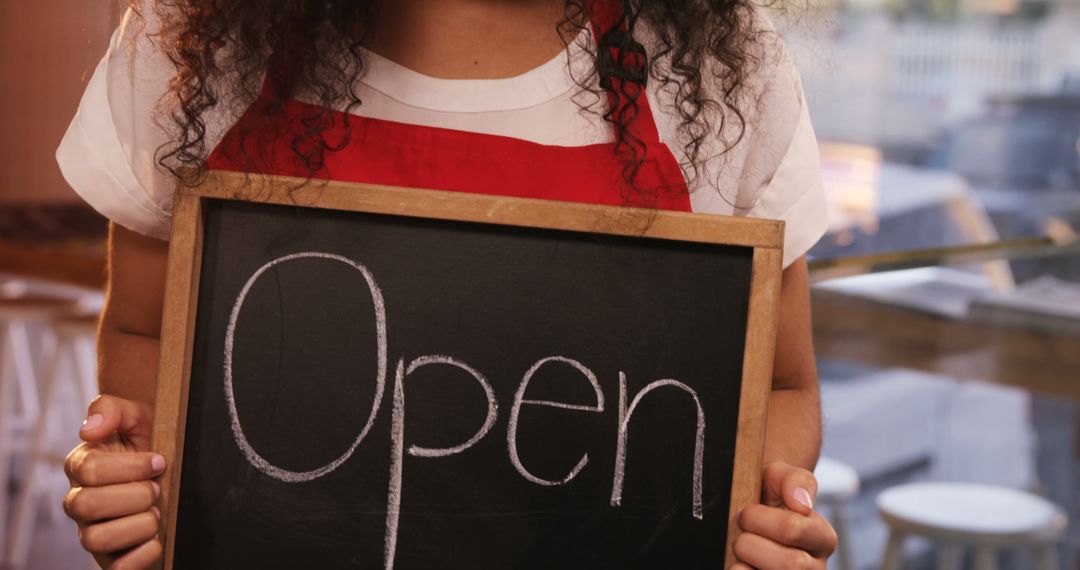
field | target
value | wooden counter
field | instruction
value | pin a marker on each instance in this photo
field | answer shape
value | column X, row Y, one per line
column 874, row 333
column 76, row 262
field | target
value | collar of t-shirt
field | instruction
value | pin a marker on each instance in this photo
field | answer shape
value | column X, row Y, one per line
column 554, row 103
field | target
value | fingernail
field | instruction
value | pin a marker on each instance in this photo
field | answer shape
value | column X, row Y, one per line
column 157, row 512
column 157, row 489
column 803, row 497
column 93, row 421
column 157, row 463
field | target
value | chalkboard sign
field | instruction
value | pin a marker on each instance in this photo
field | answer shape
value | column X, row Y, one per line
column 357, row 376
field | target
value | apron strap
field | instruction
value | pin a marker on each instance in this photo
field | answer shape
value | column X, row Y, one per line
column 626, row 63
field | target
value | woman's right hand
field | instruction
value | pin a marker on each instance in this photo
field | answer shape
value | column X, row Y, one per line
column 112, row 489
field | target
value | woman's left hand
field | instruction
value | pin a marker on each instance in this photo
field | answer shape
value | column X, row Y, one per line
column 784, row 532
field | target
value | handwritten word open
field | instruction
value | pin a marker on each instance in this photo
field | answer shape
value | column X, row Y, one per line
column 398, row 448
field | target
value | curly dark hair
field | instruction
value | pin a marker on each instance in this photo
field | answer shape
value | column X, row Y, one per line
column 223, row 48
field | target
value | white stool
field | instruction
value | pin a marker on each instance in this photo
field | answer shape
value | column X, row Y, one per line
column 75, row 347
column 19, row 403
column 958, row 515
column 838, row 483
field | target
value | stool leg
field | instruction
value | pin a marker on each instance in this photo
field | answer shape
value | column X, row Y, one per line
column 1046, row 558
column 25, row 372
column 7, row 410
column 894, row 551
column 86, row 370
column 843, row 534
column 986, row 558
column 949, row 556
column 17, row 372
column 86, row 376
column 25, row 512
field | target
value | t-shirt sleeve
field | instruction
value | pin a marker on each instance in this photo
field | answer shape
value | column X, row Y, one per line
column 108, row 153
column 782, row 172
column 772, row 169
column 794, row 192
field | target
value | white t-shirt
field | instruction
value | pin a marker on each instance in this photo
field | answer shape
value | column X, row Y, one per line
column 108, row 153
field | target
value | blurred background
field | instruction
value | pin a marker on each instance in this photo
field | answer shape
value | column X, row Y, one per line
column 946, row 294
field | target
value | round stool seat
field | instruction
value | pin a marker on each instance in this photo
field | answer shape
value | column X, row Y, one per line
column 971, row 513
column 837, row 481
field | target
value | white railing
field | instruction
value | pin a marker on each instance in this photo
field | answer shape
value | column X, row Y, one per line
column 938, row 62
column 885, row 82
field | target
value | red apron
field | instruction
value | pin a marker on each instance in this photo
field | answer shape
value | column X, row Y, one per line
column 417, row 156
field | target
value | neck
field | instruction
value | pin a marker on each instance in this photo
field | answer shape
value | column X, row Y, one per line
column 468, row 39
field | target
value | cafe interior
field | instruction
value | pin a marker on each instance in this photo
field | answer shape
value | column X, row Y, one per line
column 945, row 294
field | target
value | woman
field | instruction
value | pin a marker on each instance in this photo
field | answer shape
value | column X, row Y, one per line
column 678, row 104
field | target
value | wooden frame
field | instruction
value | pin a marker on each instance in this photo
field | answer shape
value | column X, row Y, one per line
column 185, row 259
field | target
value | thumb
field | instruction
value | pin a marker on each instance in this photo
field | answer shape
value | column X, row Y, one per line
column 107, row 415
column 789, row 486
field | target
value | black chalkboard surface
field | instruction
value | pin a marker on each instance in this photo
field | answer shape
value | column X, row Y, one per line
column 372, row 390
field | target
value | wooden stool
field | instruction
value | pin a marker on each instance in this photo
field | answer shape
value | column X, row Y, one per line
column 75, row 349
column 958, row 515
column 19, row 404
column 838, row 483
